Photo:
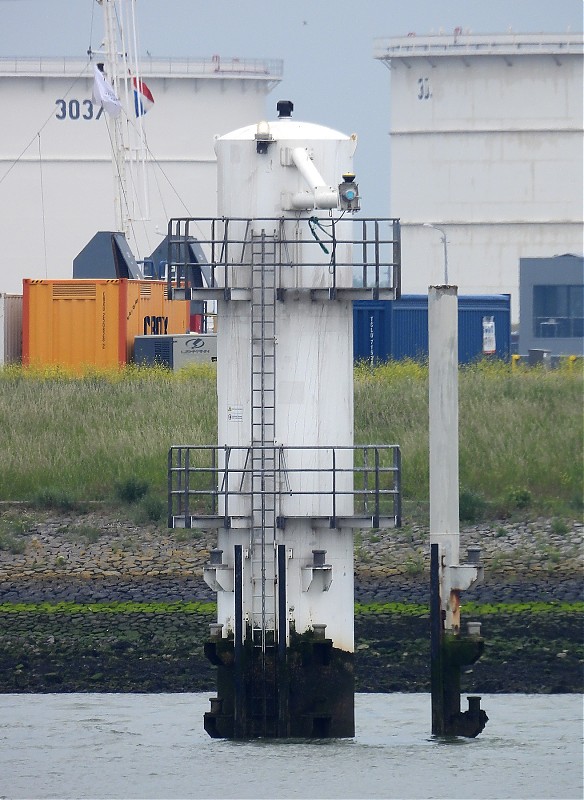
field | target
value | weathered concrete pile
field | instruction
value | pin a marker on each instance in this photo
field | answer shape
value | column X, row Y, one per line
column 101, row 557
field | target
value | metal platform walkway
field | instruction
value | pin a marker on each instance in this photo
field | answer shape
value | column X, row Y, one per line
column 370, row 247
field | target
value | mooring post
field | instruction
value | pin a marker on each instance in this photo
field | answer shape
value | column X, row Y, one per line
column 436, row 644
column 239, row 683
column 448, row 577
column 283, row 682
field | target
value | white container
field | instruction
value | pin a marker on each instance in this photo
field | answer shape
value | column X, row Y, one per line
column 176, row 351
column 193, row 348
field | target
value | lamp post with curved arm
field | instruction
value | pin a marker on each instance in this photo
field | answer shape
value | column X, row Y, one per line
column 444, row 241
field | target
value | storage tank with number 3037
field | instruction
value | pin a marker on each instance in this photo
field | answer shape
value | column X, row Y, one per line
column 285, row 485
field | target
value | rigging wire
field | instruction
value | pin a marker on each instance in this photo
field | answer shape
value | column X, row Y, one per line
column 170, row 183
column 89, row 49
column 43, row 205
column 154, row 161
column 160, row 195
column 130, row 122
column 121, row 184
column 44, row 125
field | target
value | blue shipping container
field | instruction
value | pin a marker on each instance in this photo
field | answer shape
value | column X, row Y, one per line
column 386, row 330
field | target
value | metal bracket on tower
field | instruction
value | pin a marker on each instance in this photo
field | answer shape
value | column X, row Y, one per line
column 317, row 575
column 217, row 575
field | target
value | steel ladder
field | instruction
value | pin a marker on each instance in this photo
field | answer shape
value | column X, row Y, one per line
column 263, row 480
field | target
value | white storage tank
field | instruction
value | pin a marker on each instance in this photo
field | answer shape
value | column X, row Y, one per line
column 486, row 143
column 56, row 159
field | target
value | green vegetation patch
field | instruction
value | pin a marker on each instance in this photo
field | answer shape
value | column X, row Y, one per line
column 361, row 609
column 409, row 609
column 478, row 609
column 125, row 607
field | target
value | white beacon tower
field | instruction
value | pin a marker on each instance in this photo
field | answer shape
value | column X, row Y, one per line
column 286, row 485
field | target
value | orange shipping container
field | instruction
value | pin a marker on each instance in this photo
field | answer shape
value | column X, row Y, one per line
column 93, row 322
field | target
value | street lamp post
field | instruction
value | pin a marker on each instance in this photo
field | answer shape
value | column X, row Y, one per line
column 443, row 239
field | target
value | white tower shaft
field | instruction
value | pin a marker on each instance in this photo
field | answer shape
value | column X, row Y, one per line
column 290, row 485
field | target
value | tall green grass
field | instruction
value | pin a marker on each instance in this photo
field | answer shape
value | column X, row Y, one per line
column 521, row 438
column 86, row 436
column 520, row 430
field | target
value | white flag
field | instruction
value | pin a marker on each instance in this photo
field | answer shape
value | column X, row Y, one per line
column 104, row 95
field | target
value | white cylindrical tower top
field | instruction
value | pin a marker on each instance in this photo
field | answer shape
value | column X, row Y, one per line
column 285, row 128
column 282, row 167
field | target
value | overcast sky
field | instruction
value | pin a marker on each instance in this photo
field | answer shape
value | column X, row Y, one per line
column 326, row 46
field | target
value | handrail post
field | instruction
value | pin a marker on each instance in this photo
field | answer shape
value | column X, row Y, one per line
column 396, row 258
column 376, row 289
column 376, row 517
column 225, row 252
column 364, row 253
column 226, row 523
column 397, row 497
column 334, row 517
column 214, row 482
column 186, row 488
column 334, row 260
column 365, row 479
column 169, row 489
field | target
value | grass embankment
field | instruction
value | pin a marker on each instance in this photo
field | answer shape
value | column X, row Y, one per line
column 73, row 438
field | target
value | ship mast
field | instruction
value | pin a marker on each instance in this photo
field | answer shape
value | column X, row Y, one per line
column 118, row 148
column 127, row 132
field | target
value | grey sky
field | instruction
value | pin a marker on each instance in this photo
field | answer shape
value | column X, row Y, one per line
column 326, row 46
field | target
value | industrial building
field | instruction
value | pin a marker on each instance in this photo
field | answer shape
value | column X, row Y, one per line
column 486, row 145
column 552, row 305
column 56, row 177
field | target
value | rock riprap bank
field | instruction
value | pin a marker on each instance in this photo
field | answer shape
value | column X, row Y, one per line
column 97, row 602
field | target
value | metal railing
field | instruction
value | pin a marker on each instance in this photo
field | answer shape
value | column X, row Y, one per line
column 215, row 66
column 209, row 484
column 374, row 257
column 459, row 43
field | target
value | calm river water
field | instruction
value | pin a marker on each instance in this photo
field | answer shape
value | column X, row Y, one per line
column 154, row 746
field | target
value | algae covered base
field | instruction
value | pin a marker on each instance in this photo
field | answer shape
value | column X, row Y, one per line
column 306, row 692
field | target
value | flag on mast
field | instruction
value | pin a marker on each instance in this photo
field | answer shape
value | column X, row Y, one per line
column 143, row 100
column 104, row 95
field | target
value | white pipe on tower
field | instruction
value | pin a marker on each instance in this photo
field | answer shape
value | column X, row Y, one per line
column 325, row 196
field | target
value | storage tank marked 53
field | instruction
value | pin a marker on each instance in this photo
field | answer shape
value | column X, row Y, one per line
column 286, row 473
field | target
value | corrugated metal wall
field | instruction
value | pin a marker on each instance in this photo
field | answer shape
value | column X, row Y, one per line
column 10, row 328
column 94, row 322
column 398, row 329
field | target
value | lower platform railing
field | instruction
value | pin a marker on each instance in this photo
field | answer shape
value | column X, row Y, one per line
column 358, row 486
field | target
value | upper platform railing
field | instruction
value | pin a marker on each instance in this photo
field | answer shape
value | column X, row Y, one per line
column 357, row 258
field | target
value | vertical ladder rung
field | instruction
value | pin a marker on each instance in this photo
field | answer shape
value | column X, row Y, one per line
column 263, row 468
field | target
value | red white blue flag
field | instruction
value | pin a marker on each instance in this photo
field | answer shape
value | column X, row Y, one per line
column 143, row 100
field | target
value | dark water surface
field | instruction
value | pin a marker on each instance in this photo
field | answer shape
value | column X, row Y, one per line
column 154, row 746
